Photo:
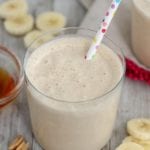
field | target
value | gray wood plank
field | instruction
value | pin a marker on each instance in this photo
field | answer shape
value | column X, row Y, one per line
column 35, row 145
column 135, row 100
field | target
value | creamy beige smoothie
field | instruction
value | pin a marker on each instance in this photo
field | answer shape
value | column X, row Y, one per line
column 69, row 107
column 141, row 30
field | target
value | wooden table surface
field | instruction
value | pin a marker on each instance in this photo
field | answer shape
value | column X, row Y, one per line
column 135, row 101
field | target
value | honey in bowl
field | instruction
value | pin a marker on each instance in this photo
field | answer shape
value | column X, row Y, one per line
column 7, row 83
column 11, row 76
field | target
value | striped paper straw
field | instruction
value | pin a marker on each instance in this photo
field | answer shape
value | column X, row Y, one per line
column 103, row 28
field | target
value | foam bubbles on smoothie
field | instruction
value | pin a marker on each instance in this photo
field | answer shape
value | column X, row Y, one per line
column 64, row 74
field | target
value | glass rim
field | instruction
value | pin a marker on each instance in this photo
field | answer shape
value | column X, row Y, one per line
column 83, row 101
column 13, row 93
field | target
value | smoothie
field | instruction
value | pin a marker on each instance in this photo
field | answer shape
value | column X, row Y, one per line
column 141, row 30
column 68, row 97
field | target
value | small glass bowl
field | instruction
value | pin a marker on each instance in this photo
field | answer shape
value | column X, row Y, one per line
column 10, row 63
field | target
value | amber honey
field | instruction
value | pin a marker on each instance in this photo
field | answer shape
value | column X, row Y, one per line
column 7, row 84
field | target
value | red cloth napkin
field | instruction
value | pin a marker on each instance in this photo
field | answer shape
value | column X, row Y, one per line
column 135, row 72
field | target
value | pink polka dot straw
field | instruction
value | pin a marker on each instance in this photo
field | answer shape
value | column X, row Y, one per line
column 103, row 28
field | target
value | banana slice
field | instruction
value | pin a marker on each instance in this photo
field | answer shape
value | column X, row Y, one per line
column 36, row 38
column 139, row 128
column 19, row 25
column 31, row 36
column 130, row 146
column 132, row 139
column 145, row 144
column 50, row 21
column 13, row 8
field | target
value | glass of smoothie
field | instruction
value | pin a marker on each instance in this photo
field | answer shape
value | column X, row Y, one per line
column 141, row 30
column 73, row 102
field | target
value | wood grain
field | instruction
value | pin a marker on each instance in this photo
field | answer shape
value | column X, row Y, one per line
column 14, row 119
column 135, row 100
